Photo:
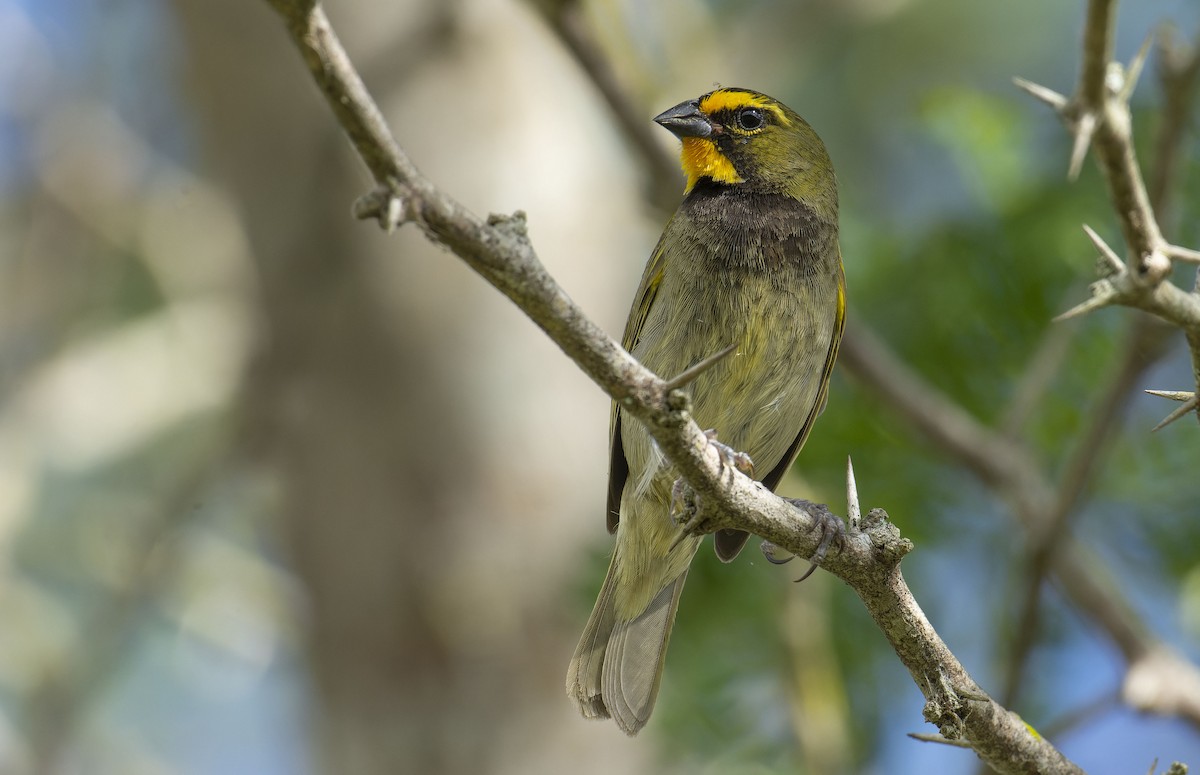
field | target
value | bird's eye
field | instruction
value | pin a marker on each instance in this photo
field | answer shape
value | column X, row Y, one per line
column 750, row 119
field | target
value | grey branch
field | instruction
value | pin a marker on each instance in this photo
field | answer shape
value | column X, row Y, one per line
column 499, row 250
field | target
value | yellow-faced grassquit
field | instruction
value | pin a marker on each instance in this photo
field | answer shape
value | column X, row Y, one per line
column 750, row 259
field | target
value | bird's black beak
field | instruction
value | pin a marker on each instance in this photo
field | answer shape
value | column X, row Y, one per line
column 685, row 120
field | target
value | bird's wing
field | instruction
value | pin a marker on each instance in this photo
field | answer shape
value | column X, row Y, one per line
column 618, row 466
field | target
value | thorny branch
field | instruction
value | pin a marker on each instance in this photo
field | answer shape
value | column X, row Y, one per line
column 499, row 250
column 1099, row 111
column 1098, row 115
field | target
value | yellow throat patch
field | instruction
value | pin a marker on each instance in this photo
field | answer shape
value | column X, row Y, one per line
column 701, row 159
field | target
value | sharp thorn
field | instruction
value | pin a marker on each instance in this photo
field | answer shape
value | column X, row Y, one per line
column 1114, row 261
column 931, row 738
column 1085, row 127
column 1099, row 299
column 853, row 509
column 689, row 374
column 1136, row 64
column 1186, row 255
column 1186, row 408
column 1174, row 395
column 1041, row 93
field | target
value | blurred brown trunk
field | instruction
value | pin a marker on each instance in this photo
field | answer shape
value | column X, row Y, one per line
column 350, row 410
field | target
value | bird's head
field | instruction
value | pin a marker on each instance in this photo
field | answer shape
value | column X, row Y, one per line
column 740, row 137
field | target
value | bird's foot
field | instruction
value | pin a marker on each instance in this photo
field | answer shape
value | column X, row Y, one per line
column 685, row 503
column 730, row 457
column 833, row 532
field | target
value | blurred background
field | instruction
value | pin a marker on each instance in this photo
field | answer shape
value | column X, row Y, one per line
column 282, row 494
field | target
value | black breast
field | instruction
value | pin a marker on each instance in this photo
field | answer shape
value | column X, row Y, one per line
column 757, row 231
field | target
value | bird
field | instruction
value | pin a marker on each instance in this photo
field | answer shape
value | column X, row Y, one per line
column 750, row 262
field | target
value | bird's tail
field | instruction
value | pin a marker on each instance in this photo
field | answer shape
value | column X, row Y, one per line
column 618, row 664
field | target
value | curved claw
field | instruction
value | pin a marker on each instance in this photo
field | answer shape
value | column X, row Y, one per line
column 812, row 566
column 768, row 550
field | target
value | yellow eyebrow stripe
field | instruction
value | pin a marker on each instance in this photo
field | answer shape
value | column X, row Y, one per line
column 731, row 99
